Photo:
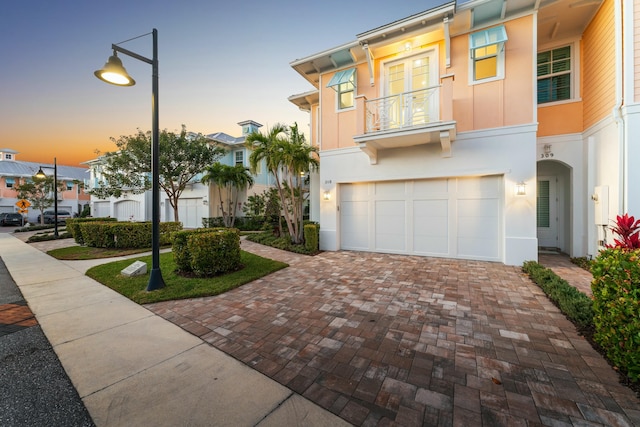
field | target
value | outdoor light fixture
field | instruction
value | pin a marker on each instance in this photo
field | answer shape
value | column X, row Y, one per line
column 41, row 175
column 326, row 195
column 114, row 73
column 521, row 189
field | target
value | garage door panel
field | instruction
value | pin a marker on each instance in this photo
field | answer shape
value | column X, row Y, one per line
column 355, row 225
column 390, row 225
column 488, row 186
column 431, row 187
column 431, row 227
column 452, row 217
column 390, row 190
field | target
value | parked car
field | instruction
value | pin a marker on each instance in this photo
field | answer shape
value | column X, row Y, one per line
column 50, row 215
column 10, row 219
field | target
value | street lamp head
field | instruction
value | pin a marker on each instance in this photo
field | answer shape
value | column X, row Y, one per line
column 40, row 174
column 114, row 72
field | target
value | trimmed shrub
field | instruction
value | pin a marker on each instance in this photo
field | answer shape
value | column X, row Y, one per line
column 110, row 234
column 616, row 291
column 242, row 223
column 312, row 237
column 577, row 306
column 180, row 247
column 73, row 226
column 215, row 252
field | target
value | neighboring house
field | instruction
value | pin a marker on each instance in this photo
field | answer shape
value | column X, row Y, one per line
column 14, row 172
column 480, row 130
column 198, row 201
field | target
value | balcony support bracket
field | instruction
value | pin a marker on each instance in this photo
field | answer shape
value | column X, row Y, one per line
column 445, row 141
column 370, row 151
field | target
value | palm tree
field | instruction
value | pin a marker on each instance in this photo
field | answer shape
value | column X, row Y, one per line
column 288, row 157
column 233, row 179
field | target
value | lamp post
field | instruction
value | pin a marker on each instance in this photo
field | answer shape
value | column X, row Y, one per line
column 41, row 175
column 114, row 73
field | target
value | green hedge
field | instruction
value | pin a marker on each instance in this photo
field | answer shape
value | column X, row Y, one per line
column 110, row 234
column 73, row 226
column 616, row 292
column 207, row 252
column 312, row 237
column 242, row 223
column 576, row 305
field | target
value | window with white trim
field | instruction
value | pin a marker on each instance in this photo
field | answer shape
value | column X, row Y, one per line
column 554, row 75
column 239, row 158
column 10, row 182
column 486, row 49
column 8, row 156
column 344, row 83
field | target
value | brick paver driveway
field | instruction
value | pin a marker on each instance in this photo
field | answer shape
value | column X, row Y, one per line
column 382, row 339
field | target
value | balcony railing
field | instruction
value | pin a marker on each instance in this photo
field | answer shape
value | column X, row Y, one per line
column 408, row 109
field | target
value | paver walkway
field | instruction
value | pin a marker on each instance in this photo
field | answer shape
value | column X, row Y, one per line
column 403, row 340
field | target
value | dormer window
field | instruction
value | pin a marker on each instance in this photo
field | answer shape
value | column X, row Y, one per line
column 344, row 83
column 8, row 156
column 487, row 54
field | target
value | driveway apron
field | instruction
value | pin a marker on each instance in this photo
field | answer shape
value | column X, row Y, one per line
column 380, row 339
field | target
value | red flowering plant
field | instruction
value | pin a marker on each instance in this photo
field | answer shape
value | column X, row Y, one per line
column 628, row 230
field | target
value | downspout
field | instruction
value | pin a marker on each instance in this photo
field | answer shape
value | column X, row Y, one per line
column 619, row 103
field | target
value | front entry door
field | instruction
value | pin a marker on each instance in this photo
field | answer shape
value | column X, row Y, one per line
column 547, row 212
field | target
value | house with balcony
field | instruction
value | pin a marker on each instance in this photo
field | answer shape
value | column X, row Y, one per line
column 197, row 201
column 484, row 130
column 14, row 172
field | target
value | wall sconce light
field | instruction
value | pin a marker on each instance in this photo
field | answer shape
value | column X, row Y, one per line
column 547, row 152
column 326, row 195
column 205, row 202
column 521, row 189
column 407, row 47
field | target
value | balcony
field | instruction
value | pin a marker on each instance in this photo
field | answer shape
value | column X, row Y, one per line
column 417, row 117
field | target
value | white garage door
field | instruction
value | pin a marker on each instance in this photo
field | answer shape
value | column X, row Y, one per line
column 190, row 212
column 127, row 210
column 101, row 209
column 448, row 217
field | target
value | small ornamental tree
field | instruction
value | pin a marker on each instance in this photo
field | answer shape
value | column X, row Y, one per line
column 616, row 297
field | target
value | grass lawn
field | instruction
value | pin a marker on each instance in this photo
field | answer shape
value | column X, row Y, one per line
column 178, row 287
column 84, row 252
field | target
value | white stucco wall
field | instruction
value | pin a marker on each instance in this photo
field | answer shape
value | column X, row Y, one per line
column 507, row 151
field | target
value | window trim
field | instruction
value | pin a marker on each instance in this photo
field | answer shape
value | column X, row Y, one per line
column 341, row 78
column 9, row 182
column 574, row 44
column 235, row 157
column 492, row 36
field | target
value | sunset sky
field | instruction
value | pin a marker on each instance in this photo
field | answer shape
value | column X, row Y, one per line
column 220, row 63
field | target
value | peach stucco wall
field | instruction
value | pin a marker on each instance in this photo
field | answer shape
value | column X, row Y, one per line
column 598, row 65
column 505, row 102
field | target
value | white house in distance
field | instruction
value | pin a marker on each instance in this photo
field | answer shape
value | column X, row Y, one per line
column 197, row 201
column 13, row 172
column 479, row 129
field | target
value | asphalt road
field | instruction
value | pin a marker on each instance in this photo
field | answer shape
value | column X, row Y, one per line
column 34, row 387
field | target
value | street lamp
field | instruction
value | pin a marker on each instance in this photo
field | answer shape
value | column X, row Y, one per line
column 114, row 73
column 41, row 175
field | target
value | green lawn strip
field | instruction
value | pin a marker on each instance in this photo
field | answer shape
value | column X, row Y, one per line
column 85, row 252
column 178, row 287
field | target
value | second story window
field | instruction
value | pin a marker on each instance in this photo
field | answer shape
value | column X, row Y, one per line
column 344, row 83
column 554, row 75
column 10, row 182
column 487, row 54
column 239, row 158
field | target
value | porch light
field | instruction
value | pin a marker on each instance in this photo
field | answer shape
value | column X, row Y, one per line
column 326, row 195
column 521, row 189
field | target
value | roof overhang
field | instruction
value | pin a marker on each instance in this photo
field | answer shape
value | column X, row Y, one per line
column 304, row 101
column 339, row 57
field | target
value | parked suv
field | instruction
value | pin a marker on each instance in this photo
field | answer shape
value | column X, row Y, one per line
column 50, row 215
column 10, row 219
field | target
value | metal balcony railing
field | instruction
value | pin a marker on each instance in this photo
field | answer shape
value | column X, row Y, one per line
column 414, row 108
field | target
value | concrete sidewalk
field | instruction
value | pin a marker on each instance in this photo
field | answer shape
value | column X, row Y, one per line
column 131, row 367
